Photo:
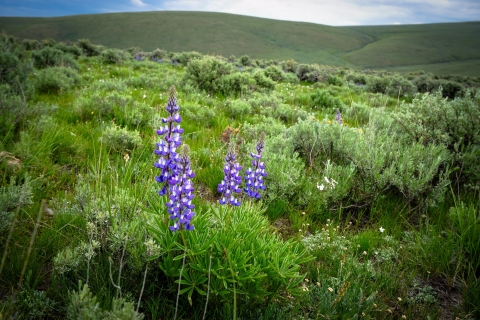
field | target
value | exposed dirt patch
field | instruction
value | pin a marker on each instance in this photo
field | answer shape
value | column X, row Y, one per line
column 284, row 228
column 447, row 295
column 205, row 193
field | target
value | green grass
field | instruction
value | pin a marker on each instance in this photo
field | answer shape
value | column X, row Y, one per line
column 376, row 47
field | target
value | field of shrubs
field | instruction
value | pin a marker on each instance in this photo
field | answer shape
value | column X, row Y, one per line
column 161, row 185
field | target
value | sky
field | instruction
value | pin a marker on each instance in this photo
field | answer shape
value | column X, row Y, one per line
column 329, row 12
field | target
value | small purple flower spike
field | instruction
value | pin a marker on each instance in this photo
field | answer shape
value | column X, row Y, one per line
column 254, row 176
column 231, row 182
column 338, row 117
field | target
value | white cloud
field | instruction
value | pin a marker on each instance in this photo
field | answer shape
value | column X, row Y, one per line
column 138, row 3
column 342, row 12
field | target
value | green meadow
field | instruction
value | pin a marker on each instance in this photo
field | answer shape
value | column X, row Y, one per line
column 372, row 178
column 369, row 47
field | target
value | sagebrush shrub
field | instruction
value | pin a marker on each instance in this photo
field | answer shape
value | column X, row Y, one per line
column 206, row 73
column 237, row 84
column 69, row 49
column 115, row 56
column 51, row 57
column 323, row 99
column 263, row 81
column 14, row 73
column 433, row 119
column 89, row 49
column 274, row 73
column 237, row 108
column 12, row 197
column 56, row 80
column 120, row 139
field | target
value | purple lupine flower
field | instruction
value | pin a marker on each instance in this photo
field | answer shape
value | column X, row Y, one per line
column 180, row 205
column 166, row 148
column 254, row 176
column 338, row 117
column 231, row 182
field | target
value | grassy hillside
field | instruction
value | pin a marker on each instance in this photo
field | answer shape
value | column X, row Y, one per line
column 396, row 46
column 226, row 34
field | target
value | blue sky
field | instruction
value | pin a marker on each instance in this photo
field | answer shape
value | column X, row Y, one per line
column 329, row 12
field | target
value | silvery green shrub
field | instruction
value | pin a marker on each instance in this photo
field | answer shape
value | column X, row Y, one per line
column 185, row 57
column 260, row 100
column 237, row 108
column 198, row 114
column 400, row 87
column 69, row 49
column 34, row 304
column 237, row 84
column 114, row 56
column 12, row 197
column 120, row 139
column 263, row 82
column 323, row 99
column 89, row 49
column 56, row 79
column 285, row 169
column 51, row 57
column 454, row 124
column 274, row 73
column 270, row 126
column 206, row 73
column 335, row 81
column 15, row 74
column 84, row 305
column 381, row 160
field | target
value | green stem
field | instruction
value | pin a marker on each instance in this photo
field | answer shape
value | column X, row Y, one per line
column 234, row 287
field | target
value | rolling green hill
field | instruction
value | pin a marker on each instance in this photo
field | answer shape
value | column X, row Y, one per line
column 438, row 48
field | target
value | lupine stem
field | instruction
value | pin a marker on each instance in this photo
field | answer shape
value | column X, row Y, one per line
column 143, row 286
column 208, row 287
column 179, row 282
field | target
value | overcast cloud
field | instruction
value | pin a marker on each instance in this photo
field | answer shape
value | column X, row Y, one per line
column 334, row 13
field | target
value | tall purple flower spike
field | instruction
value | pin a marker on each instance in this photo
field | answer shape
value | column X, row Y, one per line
column 166, row 148
column 254, row 176
column 180, row 205
column 231, row 182
column 175, row 169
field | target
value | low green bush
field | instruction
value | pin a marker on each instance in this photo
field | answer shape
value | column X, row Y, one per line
column 119, row 139
column 206, row 73
column 89, row 49
column 433, row 119
column 52, row 57
column 323, row 99
column 237, row 84
column 56, row 80
column 274, row 73
column 115, row 56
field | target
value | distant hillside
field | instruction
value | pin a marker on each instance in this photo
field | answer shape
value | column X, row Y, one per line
column 440, row 48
